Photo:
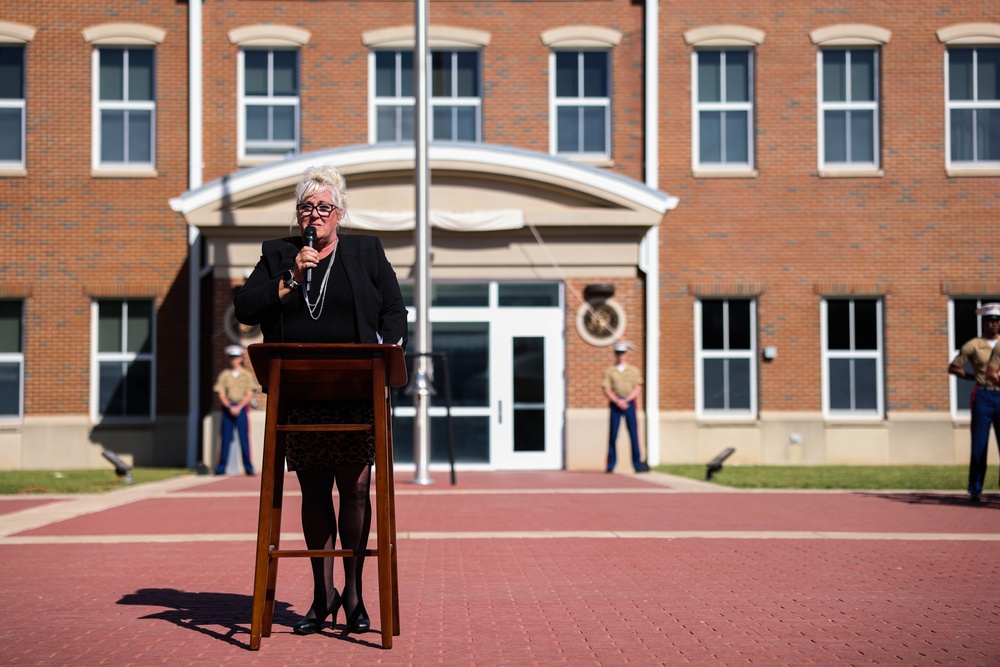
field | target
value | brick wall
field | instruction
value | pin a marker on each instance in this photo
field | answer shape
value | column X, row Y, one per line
column 73, row 237
column 801, row 237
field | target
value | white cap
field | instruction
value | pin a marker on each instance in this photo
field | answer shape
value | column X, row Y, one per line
column 234, row 350
column 621, row 347
column 989, row 310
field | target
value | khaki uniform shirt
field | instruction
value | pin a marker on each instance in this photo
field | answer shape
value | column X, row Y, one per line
column 235, row 388
column 978, row 352
column 994, row 358
column 621, row 382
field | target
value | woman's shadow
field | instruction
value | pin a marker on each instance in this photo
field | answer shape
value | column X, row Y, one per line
column 204, row 612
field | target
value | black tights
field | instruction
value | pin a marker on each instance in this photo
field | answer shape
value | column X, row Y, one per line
column 319, row 526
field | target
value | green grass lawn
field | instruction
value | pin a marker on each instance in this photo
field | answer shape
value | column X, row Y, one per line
column 874, row 478
column 78, row 481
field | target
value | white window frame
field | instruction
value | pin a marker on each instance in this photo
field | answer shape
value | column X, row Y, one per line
column 125, row 105
column 702, row 354
column 849, row 106
column 244, row 146
column 399, row 101
column 16, row 358
column 975, row 104
column 18, row 104
column 697, row 107
column 454, row 100
column 877, row 355
column 121, row 356
column 556, row 103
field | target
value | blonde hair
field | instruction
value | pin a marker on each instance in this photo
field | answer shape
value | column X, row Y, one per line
column 323, row 177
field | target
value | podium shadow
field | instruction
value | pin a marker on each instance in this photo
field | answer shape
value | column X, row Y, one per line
column 205, row 611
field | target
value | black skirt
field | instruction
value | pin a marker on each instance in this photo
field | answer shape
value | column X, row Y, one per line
column 317, row 451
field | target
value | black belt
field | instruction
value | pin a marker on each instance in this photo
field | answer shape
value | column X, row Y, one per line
column 985, row 388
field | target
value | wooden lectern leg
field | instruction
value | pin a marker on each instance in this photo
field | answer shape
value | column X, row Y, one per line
column 270, row 478
column 383, row 523
column 391, row 484
column 275, row 531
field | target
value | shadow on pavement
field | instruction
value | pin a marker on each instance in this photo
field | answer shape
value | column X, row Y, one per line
column 202, row 612
column 991, row 501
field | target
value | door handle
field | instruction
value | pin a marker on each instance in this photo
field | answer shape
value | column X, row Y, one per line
column 500, row 412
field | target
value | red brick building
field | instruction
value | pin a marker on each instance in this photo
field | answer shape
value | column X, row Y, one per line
column 778, row 206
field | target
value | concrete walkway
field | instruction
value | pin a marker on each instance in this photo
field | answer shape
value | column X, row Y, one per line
column 505, row 568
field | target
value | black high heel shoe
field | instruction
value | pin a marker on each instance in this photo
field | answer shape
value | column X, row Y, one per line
column 311, row 626
column 357, row 620
column 335, row 607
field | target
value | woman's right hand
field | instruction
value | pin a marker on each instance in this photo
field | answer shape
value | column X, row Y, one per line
column 307, row 259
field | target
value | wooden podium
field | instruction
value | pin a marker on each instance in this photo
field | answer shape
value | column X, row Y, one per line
column 296, row 371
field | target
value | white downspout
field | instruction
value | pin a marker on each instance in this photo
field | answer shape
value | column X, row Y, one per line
column 650, row 247
column 194, row 234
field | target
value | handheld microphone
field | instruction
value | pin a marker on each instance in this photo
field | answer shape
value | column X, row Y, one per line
column 310, row 239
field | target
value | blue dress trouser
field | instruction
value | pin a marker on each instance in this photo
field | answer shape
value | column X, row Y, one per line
column 985, row 413
column 633, row 433
column 242, row 424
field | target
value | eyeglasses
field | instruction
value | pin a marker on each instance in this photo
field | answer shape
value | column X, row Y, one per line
column 322, row 210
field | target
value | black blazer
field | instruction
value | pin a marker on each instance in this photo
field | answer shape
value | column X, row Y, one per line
column 378, row 303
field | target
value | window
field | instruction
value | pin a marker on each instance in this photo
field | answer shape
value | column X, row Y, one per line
column 11, row 360
column 726, row 373
column 455, row 97
column 456, row 102
column 269, row 102
column 581, row 107
column 852, row 357
column 123, row 359
column 849, row 131
column 125, row 127
column 394, row 99
column 723, row 118
column 11, row 106
column 974, row 106
column 964, row 325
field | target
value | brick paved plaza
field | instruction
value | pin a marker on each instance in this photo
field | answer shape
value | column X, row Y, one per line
column 536, row 568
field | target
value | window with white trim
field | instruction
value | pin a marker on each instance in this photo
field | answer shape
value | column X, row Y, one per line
column 12, row 106
column 723, row 118
column 973, row 106
column 581, row 103
column 11, row 360
column 268, row 102
column 852, row 358
column 393, row 96
column 123, row 377
column 125, row 106
column 726, row 342
column 963, row 326
column 456, row 98
column 849, row 108
column 456, row 102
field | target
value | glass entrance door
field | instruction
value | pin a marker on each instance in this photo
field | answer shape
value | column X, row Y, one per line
column 505, row 360
column 528, row 392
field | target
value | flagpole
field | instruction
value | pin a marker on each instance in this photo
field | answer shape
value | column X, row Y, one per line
column 422, row 240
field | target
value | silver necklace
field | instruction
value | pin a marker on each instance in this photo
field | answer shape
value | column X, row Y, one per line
column 316, row 309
